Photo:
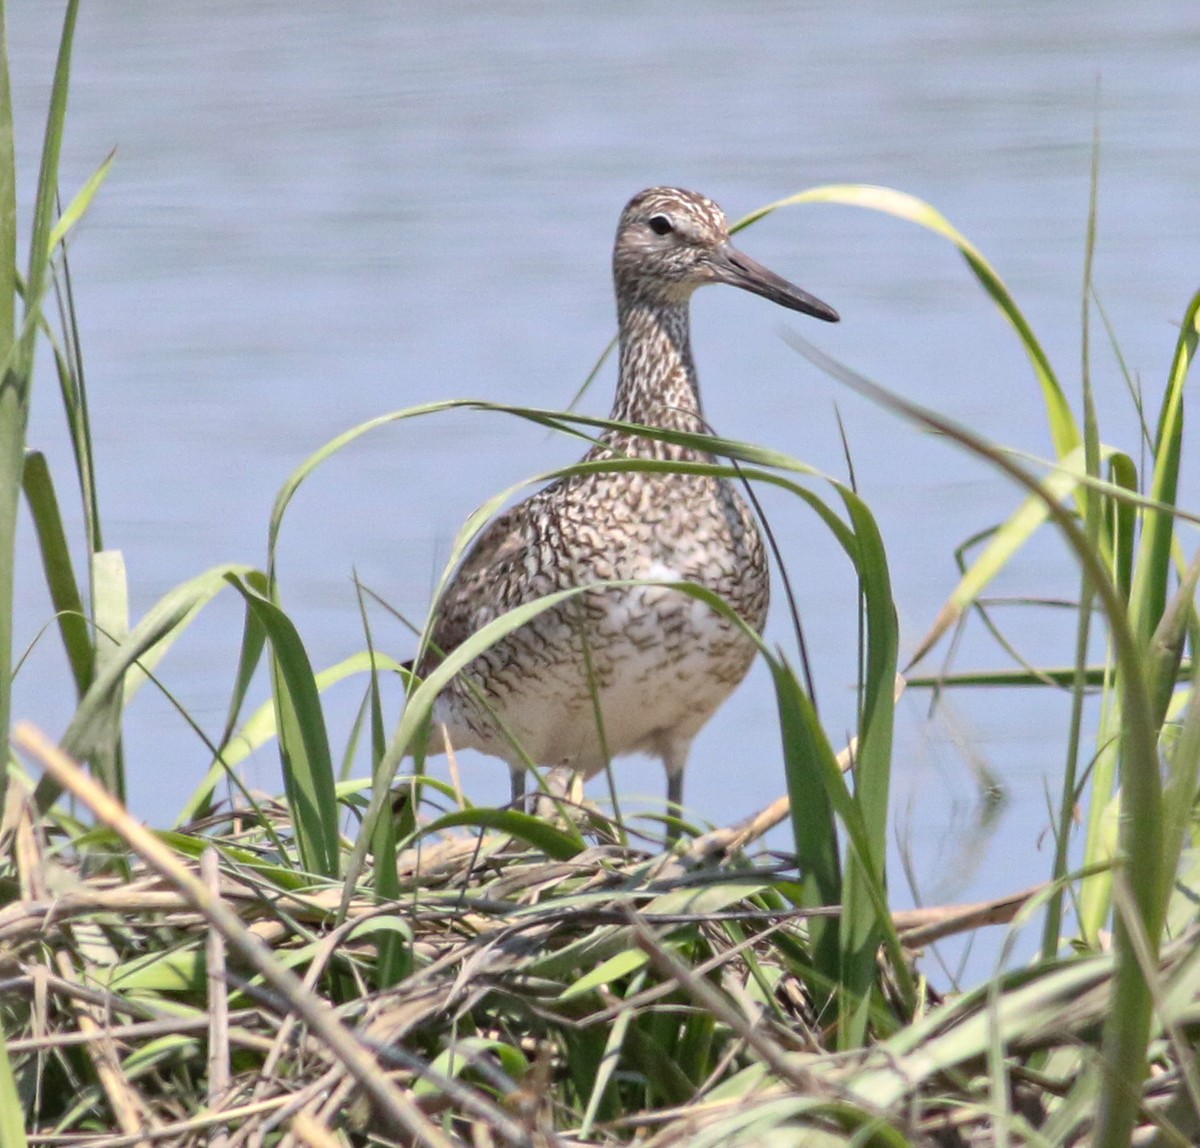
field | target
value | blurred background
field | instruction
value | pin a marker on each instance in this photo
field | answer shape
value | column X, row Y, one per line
column 322, row 213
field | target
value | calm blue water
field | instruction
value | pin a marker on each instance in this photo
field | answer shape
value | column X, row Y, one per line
column 322, row 213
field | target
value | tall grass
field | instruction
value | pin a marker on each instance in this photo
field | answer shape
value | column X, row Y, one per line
column 527, row 979
column 1125, row 544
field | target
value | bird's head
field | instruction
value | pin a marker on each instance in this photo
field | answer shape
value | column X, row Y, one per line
column 671, row 241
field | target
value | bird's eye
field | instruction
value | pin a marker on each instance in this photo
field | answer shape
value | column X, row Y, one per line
column 660, row 225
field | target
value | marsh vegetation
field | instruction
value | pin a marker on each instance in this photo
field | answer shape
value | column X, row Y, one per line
column 332, row 964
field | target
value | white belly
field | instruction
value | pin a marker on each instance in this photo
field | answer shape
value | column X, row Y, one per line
column 662, row 662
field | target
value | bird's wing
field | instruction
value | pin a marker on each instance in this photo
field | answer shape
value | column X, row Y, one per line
column 495, row 576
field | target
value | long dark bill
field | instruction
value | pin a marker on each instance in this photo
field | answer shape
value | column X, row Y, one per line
column 731, row 266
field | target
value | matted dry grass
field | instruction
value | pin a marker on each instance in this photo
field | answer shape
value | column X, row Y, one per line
column 188, row 988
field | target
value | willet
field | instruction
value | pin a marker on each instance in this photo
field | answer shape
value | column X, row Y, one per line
column 636, row 668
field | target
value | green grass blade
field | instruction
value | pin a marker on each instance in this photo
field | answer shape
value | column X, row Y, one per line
column 45, row 207
column 297, row 478
column 79, row 204
column 58, row 570
column 815, row 783
column 1062, row 677
column 611, row 1057
column 861, row 926
column 17, row 353
column 1179, row 792
column 1153, row 569
column 254, row 640
column 1152, row 573
column 1147, row 601
column 1128, row 1024
column 1062, row 482
column 394, row 959
column 1123, row 529
column 1165, row 653
column 1102, row 841
column 808, row 762
column 417, row 713
column 8, row 201
column 72, row 387
column 576, row 425
column 13, row 391
column 556, row 843
column 308, row 773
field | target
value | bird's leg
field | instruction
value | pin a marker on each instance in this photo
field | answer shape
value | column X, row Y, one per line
column 674, row 758
column 517, row 773
column 675, row 793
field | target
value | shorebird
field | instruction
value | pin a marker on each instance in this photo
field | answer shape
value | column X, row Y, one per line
column 634, row 668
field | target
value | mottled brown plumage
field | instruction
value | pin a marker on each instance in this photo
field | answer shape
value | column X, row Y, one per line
column 660, row 661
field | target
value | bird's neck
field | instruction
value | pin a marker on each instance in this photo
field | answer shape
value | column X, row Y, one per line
column 657, row 384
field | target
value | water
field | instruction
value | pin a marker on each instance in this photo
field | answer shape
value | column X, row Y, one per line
column 320, row 214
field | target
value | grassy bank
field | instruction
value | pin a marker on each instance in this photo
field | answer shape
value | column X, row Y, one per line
column 335, row 964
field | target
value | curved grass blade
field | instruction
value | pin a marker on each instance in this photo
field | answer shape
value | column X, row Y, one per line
column 40, row 248
column 1062, row 481
column 262, row 725
column 394, row 954
column 68, row 364
column 79, row 204
column 571, row 424
column 454, row 1061
column 58, row 571
column 254, row 640
column 1124, row 518
column 162, row 624
column 296, row 479
column 419, row 709
column 590, row 378
column 556, row 844
column 1005, row 543
column 308, row 773
column 1063, row 428
column 822, row 774
column 1127, row 1027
